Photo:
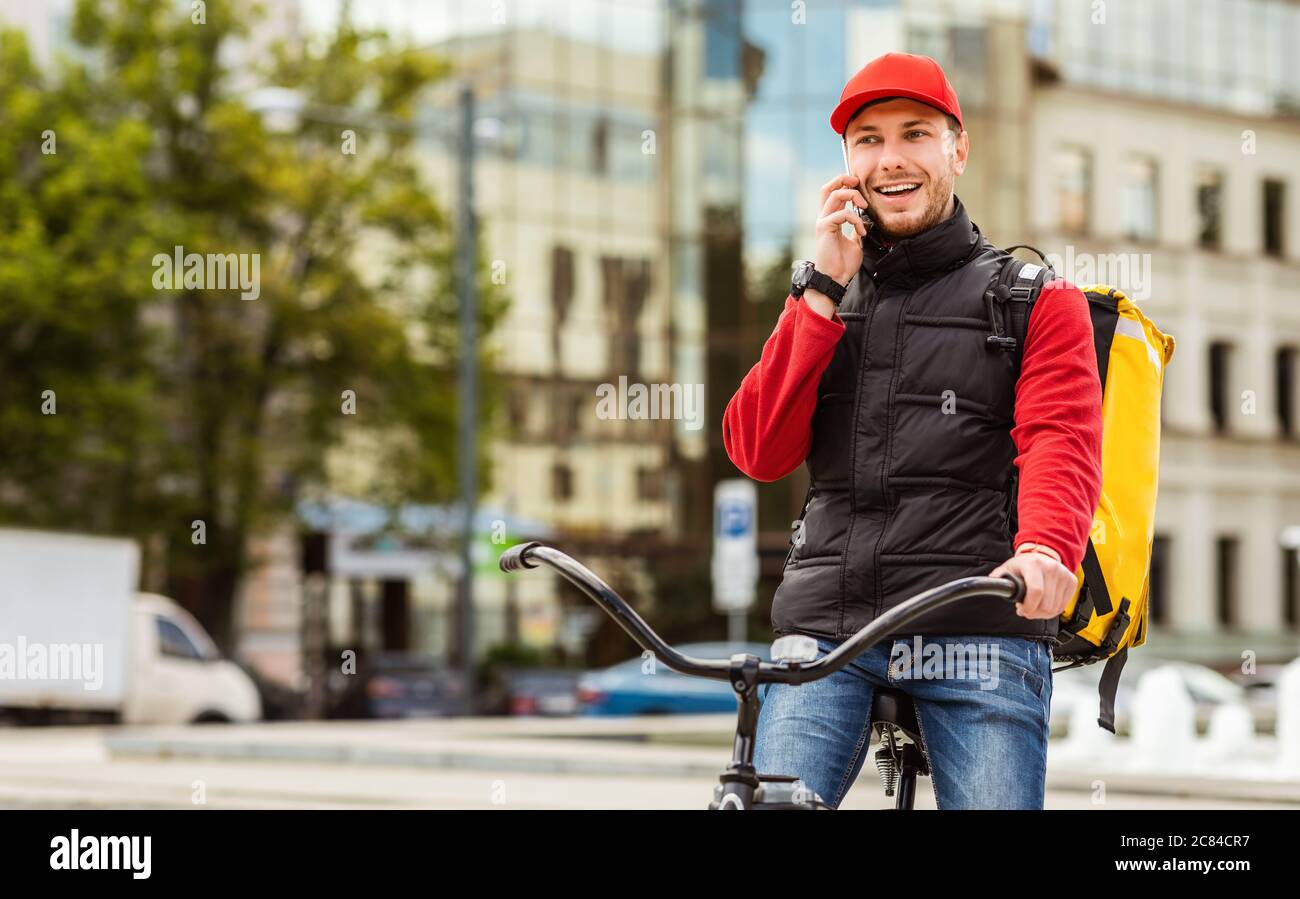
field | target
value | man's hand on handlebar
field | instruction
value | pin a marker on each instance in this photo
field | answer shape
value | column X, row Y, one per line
column 1048, row 584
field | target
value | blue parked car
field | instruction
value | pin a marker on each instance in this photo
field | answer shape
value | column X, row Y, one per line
column 649, row 687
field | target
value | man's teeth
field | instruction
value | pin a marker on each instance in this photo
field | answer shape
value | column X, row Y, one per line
column 896, row 188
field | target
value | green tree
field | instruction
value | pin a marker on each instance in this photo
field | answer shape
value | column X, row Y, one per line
column 129, row 409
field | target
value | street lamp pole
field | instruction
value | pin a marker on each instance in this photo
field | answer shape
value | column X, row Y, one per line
column 466, row 254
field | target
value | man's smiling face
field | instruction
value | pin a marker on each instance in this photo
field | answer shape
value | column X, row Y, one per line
column 906, row 159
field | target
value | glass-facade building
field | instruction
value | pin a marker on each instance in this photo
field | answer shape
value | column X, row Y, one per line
column 1237, row 55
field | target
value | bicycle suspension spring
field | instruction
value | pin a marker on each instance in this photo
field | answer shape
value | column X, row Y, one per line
column 888, row 770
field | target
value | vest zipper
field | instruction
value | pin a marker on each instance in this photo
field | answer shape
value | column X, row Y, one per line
column 1012, row 498
column 890, row 406
column 853, row 446
column 796, row 529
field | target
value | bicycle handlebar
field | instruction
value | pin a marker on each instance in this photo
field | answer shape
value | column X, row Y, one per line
column 516, row 558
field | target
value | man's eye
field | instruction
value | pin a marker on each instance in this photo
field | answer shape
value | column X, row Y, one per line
column 916, row 131
column 865, row 138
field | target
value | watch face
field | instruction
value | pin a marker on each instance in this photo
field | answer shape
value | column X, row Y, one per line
column 803, row 273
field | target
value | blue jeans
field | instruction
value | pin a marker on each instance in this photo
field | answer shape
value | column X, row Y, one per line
column 982, row 703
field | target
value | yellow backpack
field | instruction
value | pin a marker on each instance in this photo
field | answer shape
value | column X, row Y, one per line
column 1108, row 614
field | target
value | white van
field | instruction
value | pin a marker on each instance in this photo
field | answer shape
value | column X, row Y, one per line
column 76, row 637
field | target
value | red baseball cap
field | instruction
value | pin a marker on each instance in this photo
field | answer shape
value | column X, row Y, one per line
column 896, row 75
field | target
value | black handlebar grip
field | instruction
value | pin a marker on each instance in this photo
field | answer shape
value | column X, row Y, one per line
column 513, row 558
column 1020, row 586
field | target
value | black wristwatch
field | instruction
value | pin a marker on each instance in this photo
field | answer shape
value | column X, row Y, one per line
column 806, row 275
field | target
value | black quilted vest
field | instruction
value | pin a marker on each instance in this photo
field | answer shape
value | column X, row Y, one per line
column 911, row 463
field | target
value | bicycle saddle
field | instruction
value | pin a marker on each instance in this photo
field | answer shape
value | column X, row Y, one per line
column 892, row 706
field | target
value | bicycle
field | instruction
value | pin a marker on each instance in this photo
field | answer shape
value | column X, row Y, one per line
column 901, row 758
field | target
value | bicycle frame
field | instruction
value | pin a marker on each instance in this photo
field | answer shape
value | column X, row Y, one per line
column 746, row 672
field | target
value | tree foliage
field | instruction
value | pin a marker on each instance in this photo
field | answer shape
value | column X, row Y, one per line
column 173, row 406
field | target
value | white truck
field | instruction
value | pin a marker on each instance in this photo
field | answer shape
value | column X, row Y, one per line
column 77, row 640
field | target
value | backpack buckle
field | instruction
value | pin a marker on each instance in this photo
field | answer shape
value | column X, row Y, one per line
column 1002, row 343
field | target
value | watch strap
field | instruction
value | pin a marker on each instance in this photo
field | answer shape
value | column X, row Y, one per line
column 827, row 285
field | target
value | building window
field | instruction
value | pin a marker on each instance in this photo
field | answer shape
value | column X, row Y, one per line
column 600, row 147
column 1220, row 358
column 1209, row 208
column 1158, row 590
column 626, row 288
column 1226, row 580
column 1274, row 211
column 1139, row 198
column 649, row 484
column 970, row 62
column 562, row 284
column 1073, row 189
column 561, row 482
column 517, row 411
column 1285, row 392
column 1291, row 587
column 576, row 409
column 563, row 288
column 628, row 160
column 927, row 39
column 723, row 41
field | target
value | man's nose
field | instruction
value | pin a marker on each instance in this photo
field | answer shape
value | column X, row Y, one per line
column 891, row 158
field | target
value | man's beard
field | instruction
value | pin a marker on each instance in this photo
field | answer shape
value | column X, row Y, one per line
column 936, row 210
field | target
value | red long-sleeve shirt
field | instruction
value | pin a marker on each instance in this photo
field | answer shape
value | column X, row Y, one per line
column 767, row 428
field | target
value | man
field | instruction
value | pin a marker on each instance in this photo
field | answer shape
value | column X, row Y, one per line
column 929, row 459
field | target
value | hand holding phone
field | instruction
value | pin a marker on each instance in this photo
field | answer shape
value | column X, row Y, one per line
column 863, row 212
column 839, row 257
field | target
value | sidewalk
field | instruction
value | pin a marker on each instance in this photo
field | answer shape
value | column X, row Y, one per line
column 632, row 746
column 622, row 747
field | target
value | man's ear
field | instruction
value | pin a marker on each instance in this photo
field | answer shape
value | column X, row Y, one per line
column 961, row 151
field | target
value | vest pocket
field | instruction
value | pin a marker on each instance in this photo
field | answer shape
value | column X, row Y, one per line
column 813, row 561
column 817, row 537
column 930, row 558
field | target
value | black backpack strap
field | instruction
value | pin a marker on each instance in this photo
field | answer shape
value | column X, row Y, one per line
column 1015, row 288
column 1095, row 581
column 1016, row 296
column 1109, row 686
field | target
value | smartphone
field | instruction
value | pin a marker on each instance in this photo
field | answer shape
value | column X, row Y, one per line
column 863, row 214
